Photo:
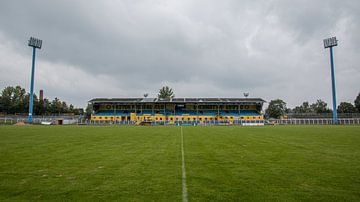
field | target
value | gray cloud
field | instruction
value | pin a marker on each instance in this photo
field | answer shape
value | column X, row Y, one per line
column 203, row 48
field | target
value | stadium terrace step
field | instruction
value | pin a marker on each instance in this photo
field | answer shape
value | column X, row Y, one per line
column 180, row 113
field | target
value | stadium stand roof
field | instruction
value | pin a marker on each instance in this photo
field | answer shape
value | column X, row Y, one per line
column 177, row 100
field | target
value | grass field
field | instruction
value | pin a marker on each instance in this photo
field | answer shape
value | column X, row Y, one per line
column 128, row 163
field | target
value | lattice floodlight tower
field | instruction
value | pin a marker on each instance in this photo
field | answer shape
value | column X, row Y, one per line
column 330, row 43
column 34, row 43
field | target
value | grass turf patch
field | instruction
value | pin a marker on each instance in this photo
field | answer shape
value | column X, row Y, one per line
column 89, row 163
column 284, row 163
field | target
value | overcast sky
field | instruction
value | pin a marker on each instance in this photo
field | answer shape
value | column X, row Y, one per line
column 201, row 48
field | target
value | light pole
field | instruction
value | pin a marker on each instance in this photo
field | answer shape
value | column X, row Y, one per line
column 34, row 43
column 330, row 43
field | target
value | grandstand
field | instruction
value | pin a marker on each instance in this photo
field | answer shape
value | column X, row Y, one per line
column 244, row 111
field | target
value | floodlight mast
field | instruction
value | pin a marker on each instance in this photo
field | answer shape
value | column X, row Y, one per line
column 330, row 43
column 34, row 43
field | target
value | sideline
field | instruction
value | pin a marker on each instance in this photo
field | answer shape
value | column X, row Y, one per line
column 184, row 189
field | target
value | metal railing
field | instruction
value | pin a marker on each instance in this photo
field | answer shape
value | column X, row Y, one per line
column 321, row 115
column 13, row 119
column 81, row 120
column 180, row 122
column 314, row 121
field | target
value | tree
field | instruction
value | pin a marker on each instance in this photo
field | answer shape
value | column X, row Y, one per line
column 25, row 105
column 89, row 110
column 304, row 108
column 6, row 96
column 276, row 108
column 13, row 99
column 55, row 106
column 64, row 108
column 71, row 109
column 40, row 107
column 47, row 106
column 19, row 102
column 1, row 104
column 346, row 107
column 319, row 107
column 357, row 103
column 75, row 111
column 166, row 93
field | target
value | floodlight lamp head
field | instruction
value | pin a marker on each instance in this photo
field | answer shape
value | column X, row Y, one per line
column 330, row 42
column 246, row 94
column 34, row 42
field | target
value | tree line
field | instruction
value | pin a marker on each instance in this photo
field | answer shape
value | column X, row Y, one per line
column 277, row 108
column 15, row 100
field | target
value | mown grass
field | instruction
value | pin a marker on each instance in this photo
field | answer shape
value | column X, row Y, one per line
column 277, row 163
column 89, row 163
column 283, row 163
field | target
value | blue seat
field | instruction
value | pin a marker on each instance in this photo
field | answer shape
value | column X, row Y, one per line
column 181, row 112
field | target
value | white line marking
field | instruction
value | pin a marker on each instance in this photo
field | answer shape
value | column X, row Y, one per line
column 184, row 189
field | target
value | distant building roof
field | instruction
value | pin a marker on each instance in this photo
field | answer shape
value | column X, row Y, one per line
column 177, row 100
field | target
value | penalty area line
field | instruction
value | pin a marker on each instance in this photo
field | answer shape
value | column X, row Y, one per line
column 184, row 188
